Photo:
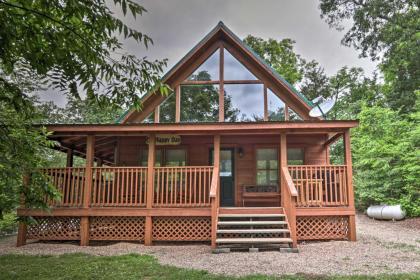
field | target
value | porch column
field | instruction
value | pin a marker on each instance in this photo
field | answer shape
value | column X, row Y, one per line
column 287, row 201
column 84, row 222
column 69, row 161
column 216, row 202
column 149, row 189
column 22, row 229
column 350, row 194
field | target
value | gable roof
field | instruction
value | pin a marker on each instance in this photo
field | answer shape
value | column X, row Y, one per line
column 223, row 29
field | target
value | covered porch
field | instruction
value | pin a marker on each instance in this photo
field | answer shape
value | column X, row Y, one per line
column 133, row 180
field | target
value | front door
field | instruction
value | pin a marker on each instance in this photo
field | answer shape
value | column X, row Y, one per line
column 227, row 185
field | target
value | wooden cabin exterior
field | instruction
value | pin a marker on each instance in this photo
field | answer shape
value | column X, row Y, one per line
column 220, row 167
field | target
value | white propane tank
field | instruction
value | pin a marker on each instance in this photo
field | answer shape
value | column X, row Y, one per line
column 385, row 212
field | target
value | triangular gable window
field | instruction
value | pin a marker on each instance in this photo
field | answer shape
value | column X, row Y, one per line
column 167, row 110
column 293, row 116
column 275, row 107
column 209, row 70
column 234, row 70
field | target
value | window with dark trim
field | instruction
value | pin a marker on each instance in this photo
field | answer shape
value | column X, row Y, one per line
column 166, row 157
column 295, row 156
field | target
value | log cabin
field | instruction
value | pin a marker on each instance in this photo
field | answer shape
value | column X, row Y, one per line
column 230, row 157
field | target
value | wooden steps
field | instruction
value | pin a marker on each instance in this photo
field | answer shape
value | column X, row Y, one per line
column 252, row 223
column 253, row 228
column 254, row 240
column 261, row 230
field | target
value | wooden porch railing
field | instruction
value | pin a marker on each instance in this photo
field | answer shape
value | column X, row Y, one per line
column 289, row 195
column 187, row 186
column 70, row 182
column 320, row 185
column 119, row 186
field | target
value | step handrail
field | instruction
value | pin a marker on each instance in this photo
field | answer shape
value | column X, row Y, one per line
column 214, row 182
column 289, row 181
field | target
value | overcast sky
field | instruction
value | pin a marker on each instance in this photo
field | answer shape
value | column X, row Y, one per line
column 177, row 25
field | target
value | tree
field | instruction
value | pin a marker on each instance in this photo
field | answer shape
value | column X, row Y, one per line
column 71, row 46
column 386, row 155
column 387, row 30
column 279, row 55
column 315, row 80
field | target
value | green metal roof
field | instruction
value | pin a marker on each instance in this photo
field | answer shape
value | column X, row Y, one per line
column 219, row 26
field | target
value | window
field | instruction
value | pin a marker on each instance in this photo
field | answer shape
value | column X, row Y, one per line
column 244, row 102
column 234, row 70
column 167, row 110
column 209, row 70
column 150, row 118
column 175, row 157
column 144, row 157
column 267, row 167
column 295, row 156
column 275, row 107
column 293, row 116
column 200, row 103
column 165, row 157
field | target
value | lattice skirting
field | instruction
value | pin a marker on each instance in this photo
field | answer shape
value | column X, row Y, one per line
column 54, row 228
column 322, row 227
column 181, row 228
column 116, row 228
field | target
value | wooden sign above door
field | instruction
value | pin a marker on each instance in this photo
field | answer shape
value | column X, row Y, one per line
column 166, row 139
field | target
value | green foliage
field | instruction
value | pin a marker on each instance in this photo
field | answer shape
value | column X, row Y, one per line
column 74, row 47
column 386, row 30
column 23, row 148
column 79, row 111
column 8, row 224
column 386, row 159
column 279, row 54
column 80, row 266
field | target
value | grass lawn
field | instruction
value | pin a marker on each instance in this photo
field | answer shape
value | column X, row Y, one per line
column 80, row 266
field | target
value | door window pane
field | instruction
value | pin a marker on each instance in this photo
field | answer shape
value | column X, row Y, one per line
column 176, row 157
column 209, row 70
column 167, row 110
column 244, row 102
column 226, row 163
column 295, row 156
column 275, row 107
column 234, row 70
column 267, row 166
column 200, row 103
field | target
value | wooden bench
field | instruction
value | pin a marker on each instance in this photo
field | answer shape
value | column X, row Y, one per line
column 259, row 193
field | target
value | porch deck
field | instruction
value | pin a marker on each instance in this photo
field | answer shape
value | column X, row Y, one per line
column 183, row 205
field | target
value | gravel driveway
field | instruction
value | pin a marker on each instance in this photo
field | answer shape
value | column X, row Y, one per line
column 382, row 247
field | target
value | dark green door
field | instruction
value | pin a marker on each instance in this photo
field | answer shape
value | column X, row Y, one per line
column 227, row 185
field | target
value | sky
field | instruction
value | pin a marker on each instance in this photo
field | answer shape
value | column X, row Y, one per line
column 177, row 25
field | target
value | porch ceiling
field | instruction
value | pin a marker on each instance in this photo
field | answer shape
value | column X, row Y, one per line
column 104, row 146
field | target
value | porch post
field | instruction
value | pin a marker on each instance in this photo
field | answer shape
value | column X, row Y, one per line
column 287, row 201
column 149, row 189
column 22, row 229
column 84, row 222
column 215, row 205
column 350, row 194
column 69, row 162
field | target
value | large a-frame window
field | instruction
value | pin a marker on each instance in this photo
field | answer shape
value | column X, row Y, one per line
column 222, row 77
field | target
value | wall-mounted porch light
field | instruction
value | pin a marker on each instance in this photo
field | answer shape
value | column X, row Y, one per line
column 240, row 152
